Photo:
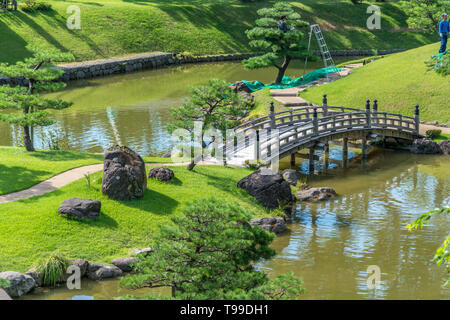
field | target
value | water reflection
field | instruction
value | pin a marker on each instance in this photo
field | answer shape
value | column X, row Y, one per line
column 132, row 109
column 331, row 244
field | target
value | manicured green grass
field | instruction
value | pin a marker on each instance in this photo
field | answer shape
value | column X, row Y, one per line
column 32, row 228
column 20, row 169
column 441, row 137
column 262, row 103
column 398, row 81
column 115, row 27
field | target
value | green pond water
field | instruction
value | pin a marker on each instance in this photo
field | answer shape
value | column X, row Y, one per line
column 331, row 244
column 133, row 109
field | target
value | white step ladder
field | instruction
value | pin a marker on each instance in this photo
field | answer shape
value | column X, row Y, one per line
column 326, row 56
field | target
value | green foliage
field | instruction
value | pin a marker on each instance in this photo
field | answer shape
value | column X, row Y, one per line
column 279, row 47
column 53, row 268
column 207, row 253
column 442, row 254
column 4, row 284
column 41, row 77
column 440, row 65
column 425, row 14
column 433, row 133
column 33, row 5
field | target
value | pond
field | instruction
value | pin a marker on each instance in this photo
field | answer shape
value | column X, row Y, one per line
column 330, row 245
column 133, row 109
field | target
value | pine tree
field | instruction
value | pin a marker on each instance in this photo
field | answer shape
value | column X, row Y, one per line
column 215, row 104
column 40, row 75
column 425, row 14
column 208, row 253
column 279, row 46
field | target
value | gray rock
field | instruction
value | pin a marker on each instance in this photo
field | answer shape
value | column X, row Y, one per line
column 125, row 264
column 291, row 176
column 124, row 176
column 274, row 224
column 267, row 187
column 444, row 145
column 144, row 252
column 98, row 271
column 20, row 283
column 425, row 146
column 315, row 194
column 82, row 264
column 36, row 275
column 80, row 208
column 161, row 173
column 240, row 86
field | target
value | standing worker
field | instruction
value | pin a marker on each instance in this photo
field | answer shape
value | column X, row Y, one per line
column 282, row 25
column 444, row 29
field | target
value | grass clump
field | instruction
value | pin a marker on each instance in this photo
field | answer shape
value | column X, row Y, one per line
column 433, row 133
column 53, row 268
column 4, row 284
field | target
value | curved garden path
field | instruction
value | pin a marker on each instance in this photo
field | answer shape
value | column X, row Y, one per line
column 63, row 179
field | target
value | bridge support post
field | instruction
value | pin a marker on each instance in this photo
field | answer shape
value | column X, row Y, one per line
column 368, row 120
column 417, row 119
column 315, row 123
column 344, row 152
column 375, row 110
column 272, row 115
column 327, row 156
column 293, row 159
column 364, row 148
column 257, row 152
column 311, row 160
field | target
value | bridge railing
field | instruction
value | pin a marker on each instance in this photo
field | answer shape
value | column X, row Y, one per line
column 339, row 122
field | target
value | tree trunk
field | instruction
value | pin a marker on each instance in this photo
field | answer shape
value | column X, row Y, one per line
column 27, row 139
column 283, row 68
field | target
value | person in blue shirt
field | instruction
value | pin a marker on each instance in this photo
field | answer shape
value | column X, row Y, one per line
column 444, row 30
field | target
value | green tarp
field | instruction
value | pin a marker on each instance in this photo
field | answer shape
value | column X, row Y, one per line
column 287, row 82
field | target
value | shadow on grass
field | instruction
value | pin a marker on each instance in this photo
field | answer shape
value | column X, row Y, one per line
column 17, row 178
column 104, row 221
column 153, row 202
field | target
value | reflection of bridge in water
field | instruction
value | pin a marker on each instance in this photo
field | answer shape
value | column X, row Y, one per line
column 281, row 134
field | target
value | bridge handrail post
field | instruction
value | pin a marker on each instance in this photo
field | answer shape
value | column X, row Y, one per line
column 272, row 115
column 375, row 110
column 417, row 119
column 315, row 123
column 325, row 105
column 368, row 113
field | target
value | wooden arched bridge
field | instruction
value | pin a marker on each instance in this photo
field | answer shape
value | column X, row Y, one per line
column 285, row 133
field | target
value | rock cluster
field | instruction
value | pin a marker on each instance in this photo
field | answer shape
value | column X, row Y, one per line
column 124, row 176
column 21, row 284
column 291, row 176
column 267, row 187
column 315, row 194
column 274, row 224
column 425, row 146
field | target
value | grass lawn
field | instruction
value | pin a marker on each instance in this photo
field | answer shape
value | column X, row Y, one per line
column 441, row 137
column 115, row 27
column 21, row 169
column 262, row 104
column 398, row 81
column 32, row 228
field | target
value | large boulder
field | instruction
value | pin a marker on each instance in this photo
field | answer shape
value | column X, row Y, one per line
column 315, row 194
column 80, row 208
column 20, row 284
column 425, row 146
column 161, row 173
column 124, row 176
column 291, row 176
column 36, row 275
column 444, row 145
column 274, row 224
column 268, row 188
column 125, row 264
column 98, row 271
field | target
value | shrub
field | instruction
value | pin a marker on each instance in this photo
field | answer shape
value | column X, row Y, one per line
column 440, row 65
column 33, row 5
column 53, row 268
column 433, row 134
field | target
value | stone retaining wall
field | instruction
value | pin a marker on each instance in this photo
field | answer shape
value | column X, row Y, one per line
column 105, row 67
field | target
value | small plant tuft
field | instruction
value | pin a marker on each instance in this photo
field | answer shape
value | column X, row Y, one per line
column 33, row 5
column 53, row 268
column 433, row 133
column 4, row 284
